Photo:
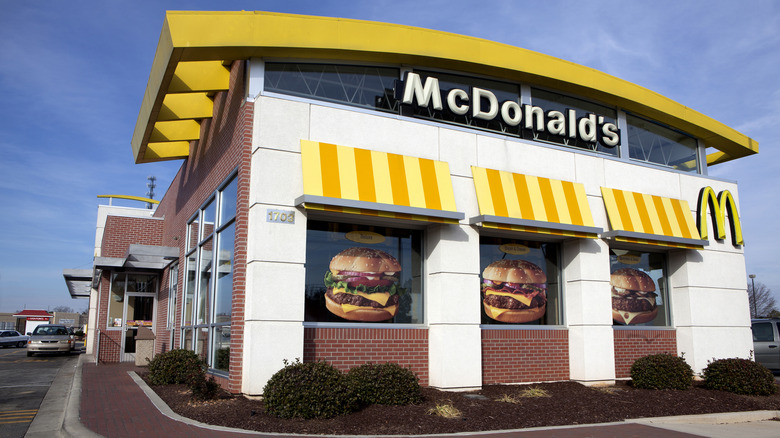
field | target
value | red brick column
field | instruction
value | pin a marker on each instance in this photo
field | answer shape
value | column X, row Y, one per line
column 630, row 345
column 346, row 347
column 515, row 356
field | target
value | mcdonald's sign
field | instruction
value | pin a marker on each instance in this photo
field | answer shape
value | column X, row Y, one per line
column 718, row 206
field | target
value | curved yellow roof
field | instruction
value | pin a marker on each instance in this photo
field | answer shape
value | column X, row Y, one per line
column 195, row 47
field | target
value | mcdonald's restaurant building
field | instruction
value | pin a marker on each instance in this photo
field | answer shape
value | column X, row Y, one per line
column 369, row 192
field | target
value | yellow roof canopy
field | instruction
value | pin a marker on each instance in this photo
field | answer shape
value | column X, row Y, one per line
column 195, row 47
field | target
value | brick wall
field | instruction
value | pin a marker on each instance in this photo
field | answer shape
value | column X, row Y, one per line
column 224, row 146
column 345, row 348
column 119, row 233
column 515, row 356
column 630, row 345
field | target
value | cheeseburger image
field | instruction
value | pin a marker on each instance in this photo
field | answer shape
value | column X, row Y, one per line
column 633, row 297
column 363, row 285
column 514, row 291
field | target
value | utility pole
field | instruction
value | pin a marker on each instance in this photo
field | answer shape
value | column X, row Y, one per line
column 755, row 307
column 150, row 193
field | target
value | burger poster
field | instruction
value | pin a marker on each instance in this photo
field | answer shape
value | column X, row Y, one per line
column 362, row 285
column 636, row 296
column 515, row 286
column 363, row 274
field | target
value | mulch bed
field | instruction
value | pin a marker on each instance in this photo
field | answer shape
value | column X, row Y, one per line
column 567, row 403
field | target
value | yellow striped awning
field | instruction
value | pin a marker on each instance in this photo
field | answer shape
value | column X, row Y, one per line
column 361, row 181
column 652, row 220
column 532, row 204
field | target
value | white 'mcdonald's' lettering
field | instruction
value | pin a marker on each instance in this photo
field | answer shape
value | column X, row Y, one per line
column 483, row 105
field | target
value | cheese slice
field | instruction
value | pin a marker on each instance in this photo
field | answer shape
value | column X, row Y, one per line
column 350, row 308
column 519, row 297
column 380, row 297
column 495, row 311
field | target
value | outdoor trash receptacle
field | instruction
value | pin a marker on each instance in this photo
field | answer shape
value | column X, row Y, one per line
column 144, row 346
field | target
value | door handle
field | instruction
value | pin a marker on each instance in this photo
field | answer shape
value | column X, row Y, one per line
column 773, row 346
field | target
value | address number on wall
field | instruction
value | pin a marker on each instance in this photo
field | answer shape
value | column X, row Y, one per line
column 281, row 216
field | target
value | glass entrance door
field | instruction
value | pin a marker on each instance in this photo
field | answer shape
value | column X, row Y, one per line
column 139, row 312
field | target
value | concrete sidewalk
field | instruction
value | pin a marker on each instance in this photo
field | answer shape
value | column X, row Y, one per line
column 88, row 400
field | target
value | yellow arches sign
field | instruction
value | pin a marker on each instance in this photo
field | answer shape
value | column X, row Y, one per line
column 718, row 207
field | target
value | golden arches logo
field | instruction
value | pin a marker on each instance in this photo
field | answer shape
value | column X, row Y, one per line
column 718, row 207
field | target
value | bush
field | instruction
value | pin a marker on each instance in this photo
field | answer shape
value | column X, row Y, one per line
column 309, row 390
column 175, row 366
column 740, row 376
column 202, row 388
column 384, row 384
column 661, row 371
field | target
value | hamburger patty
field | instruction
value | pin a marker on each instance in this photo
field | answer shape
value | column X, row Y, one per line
column 505, row 302
column 357, row 300
column 633, row 304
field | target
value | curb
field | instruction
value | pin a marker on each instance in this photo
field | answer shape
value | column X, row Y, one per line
column 720, row 418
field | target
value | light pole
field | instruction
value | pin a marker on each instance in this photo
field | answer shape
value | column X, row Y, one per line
column 753, row 281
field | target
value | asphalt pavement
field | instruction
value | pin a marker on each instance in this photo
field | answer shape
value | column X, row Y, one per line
column 88, row 400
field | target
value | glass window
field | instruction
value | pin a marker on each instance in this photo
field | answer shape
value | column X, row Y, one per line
column 173, row 285
column 763, row 332
column 362, row 86
column 186, row 338
column 363, row 274
column 208, row 299
column 639, row 288
column 116, row 300
column 653, row 143
column 192, row 233
column 520, row 282
column 227, row 206
column 221, row 347
column 550, row 101
column 208, row 215
column 205, row 283
column 189, row 287
column 224, row 286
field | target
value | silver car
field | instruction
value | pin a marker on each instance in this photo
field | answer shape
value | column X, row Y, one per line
column 50, row 338
column 766, row 342
column 12, row 338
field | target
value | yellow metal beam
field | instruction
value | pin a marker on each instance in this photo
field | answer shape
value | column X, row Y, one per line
column 175, row 130
column 131, row 198
column 169, row 150
column 186, row 106
column 199, row 76
column 188, row 37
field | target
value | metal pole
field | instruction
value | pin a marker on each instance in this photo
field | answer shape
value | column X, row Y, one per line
column 755, row 307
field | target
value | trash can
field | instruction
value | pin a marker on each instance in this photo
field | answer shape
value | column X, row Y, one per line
column 144, row 346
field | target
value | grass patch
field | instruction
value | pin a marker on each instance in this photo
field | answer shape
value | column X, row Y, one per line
column 446, row 410
column 534, row 392
column 506, row 398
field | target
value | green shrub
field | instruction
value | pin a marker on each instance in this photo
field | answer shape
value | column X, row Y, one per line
column 175, row 366
column 308, row 390
column 740, row 376
column 384, row 384
column 661, row 371
column 202, row 388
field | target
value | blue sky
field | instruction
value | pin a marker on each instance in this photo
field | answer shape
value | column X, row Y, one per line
column 72, row 75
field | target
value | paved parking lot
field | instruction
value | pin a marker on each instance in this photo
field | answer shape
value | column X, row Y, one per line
column 24, row 384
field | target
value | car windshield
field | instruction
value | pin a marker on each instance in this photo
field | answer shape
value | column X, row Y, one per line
column 49, row 331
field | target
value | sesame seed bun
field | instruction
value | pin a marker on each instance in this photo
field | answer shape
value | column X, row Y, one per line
column 361, row 259
column 632, row 279
column 514, row 271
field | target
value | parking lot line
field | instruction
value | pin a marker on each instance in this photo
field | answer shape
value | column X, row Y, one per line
column 19, row 416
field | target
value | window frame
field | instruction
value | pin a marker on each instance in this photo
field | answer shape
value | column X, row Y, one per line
column 205, row 239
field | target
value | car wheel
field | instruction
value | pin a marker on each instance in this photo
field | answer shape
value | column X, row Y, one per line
column 29, row 353
column 20, row 344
